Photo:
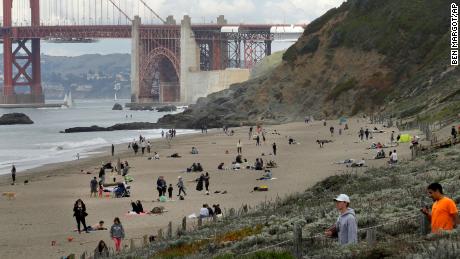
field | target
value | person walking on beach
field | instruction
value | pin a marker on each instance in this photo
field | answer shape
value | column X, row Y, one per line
column 453, row 132
column 102, row 174
column 93, row 185
column 170, row 191
column 274, row 148
column 79, row 212
column 161, row 186
column 238, row 147
column 361, row 134
column 331, row 129
column 206, row 181
column 117, row 233
column 162, row 133
column 345, row 227
column 444, row 213
column 180, row 185
column 13, row 174
column 113, row 150
column 366, row 132
column 392, row 137
column 250, row 132
column 148, row 147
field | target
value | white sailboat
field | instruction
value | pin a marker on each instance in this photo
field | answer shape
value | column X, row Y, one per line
column 70, row 103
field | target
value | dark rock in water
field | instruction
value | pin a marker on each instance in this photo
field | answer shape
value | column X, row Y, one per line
column 15, row 118
column 121, row 126
column 117, row 107
column 85, row 129
column 167, row 108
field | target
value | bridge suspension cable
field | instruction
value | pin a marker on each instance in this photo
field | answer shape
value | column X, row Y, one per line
column 152, row 11
column 121, row 11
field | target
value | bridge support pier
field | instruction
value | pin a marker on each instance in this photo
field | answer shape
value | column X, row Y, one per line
column 21, row 65
column 135, row 59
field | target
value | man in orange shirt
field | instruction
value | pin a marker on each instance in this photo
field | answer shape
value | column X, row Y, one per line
column 444, row 213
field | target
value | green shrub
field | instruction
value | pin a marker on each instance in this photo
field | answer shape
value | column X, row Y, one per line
column 341, row 88
column 311, row 46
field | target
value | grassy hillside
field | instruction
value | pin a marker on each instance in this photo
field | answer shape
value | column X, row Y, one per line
column 386, row 56
column 387, row 200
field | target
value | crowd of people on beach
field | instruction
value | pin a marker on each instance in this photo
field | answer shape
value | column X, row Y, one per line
column 443, row 214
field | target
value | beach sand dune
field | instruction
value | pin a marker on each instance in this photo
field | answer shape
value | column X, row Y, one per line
column 42, row 211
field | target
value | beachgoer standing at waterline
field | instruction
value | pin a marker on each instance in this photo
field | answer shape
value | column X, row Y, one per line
column 274, row 148
column 13, row 173
column 113, row 150
column 238, row 147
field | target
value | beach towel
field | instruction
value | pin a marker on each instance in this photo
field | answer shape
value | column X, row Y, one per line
column 405, row 138
column 129, row 178
column 132, row 213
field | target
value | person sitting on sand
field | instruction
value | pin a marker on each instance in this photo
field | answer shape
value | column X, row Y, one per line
column 239, row 159
column 199, row 167
column 204, row 212
column 217, row 209
column 271, row 164
column 258, row 165
column 380, row 154
column 194, row 151
column 291, row 141
column 101, row 251
column 267, row 175
column 220, row 166
column 236, row 166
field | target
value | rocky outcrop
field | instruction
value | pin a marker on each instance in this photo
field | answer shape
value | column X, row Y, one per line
column 362, row 57
column 15, row 118
column 117, row 107
column 166, row 108
column 121, row 126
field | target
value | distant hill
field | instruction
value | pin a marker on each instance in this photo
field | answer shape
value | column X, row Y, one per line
column 88, row 76
column 387, row 56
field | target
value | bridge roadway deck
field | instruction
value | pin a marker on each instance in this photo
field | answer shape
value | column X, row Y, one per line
column 120, row 31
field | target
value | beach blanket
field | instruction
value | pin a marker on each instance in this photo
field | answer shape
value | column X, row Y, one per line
column 132, row 213
column 405, row 138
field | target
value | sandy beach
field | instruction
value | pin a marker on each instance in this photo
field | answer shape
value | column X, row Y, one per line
column 42, row 210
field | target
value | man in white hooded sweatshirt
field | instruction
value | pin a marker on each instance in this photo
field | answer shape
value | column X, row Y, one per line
column 346, row 227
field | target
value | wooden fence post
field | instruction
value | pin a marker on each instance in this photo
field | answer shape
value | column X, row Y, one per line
column 371, row 236
column 160, row 234
column 169, row 234
column 146, row 240
column 184, row 224
column 200, row 221
column 424, row 222
column 297, row 241
column 132, row 247
column 83, row 256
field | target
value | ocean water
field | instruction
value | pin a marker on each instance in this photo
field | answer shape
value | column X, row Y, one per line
column 33, row 145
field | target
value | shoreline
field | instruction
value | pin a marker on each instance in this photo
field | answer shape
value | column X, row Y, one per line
column 96, row 154
column 53, row 189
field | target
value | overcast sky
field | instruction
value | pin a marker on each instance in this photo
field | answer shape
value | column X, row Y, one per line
column 235, row 11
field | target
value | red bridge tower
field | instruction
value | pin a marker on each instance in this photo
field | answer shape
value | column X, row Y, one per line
column 21, row 62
